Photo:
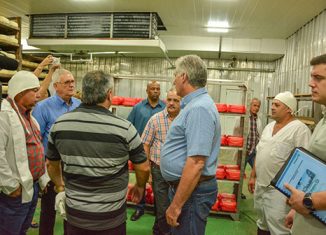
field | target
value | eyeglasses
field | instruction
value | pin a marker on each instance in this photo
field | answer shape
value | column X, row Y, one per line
column 67, row 83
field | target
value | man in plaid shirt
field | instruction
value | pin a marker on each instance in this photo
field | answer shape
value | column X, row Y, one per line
column 153, row 138
column 255, row 129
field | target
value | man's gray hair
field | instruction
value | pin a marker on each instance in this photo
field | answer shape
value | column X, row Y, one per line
column 255, row 99
column 58, row 73
column 194, row 67
column 95, row 87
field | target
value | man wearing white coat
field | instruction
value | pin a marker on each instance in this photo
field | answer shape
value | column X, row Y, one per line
column 22, row 164
column 276, row 143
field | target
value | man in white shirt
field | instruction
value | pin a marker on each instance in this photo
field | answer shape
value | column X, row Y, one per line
column 276, row 143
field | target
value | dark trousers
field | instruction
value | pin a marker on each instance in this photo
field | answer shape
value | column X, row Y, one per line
column 161, row 190
column 48, row 213
column 73, row 230
column 15, row 216
column 251, row 159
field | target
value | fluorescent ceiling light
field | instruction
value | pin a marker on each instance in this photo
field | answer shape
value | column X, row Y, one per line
column 218, row 24
column 217, row 30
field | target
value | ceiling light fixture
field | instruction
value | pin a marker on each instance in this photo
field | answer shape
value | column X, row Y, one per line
column 218, row 26
column 217, row 30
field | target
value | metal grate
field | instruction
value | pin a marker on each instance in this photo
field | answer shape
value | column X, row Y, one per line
column 95, row 25
column 45, row 26
column 89, row 25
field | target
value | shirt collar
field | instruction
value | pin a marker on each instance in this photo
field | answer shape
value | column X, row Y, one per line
column 253, row 115
column 59, row 100
column 95, row 107
column 186, row 100
column 160, row 103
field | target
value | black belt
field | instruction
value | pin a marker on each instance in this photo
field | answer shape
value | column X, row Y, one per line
column 203, row 178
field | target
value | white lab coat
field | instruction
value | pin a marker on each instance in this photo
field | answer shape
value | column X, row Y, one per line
column 14, row 168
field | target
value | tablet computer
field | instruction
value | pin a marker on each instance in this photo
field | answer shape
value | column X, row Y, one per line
column 304, row 171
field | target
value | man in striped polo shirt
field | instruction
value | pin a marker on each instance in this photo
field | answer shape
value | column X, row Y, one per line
column 153, row 138
column 94, row 147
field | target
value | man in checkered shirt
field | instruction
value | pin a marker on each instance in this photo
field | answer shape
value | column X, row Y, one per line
column 153, row 138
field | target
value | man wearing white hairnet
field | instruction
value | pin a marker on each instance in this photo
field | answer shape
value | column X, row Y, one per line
column 22, row 165
column 276, row 143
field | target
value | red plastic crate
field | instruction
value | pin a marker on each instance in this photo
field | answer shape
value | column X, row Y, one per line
column 234, row 167
column 129, row 101
column 228, row 205
column 235, row 141
column 224, row 140
column 222, row 108
column 232, row 108
column 117, row 100
column 216, row 206
column 220, row 173
column 226, row 196
column 232, row 174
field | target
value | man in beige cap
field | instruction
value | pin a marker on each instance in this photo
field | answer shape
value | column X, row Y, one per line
column 22, row 164
column 276, row 143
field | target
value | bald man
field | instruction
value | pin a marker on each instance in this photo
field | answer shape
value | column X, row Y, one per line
column 139, row 116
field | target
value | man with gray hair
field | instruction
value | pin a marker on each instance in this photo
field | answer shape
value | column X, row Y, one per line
column 94, row 147
column 46, row 113
column 189, row 155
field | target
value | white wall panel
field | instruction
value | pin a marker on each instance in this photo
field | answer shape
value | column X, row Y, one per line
column 293, row 70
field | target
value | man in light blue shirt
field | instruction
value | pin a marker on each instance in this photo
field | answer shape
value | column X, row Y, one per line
column 46, row 113
column 189, row 155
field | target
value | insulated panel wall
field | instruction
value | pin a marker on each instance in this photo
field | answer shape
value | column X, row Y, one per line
column 293, row 71
column 141, row 70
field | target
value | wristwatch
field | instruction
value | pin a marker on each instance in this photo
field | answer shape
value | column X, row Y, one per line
column 307, row 202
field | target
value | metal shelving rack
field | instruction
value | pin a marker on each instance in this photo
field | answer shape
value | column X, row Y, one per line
column 241, row 151
column 243, row 124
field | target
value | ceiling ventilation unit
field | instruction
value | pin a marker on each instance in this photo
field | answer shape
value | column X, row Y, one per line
column 133, row 32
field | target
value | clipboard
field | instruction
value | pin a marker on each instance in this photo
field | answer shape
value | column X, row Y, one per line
column 304, row 171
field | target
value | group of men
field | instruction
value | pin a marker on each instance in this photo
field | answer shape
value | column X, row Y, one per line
column 86, row 149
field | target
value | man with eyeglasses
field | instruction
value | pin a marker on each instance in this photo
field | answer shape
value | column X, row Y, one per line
column 46, row 113
column 22, row 165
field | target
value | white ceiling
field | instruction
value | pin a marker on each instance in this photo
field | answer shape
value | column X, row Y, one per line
column 251, row 19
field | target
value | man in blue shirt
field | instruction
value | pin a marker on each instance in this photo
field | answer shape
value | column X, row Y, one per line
column 189, row 155
column 139, row 116
column 46, row 113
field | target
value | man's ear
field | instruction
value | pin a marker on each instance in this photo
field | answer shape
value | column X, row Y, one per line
column 109, row 95
column 185, row 78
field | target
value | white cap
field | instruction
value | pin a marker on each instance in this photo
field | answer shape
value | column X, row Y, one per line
column 288, row 99
column 21, row 81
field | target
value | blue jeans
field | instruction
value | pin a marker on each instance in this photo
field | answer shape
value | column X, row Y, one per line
column 194, row 213
column 15, row 216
